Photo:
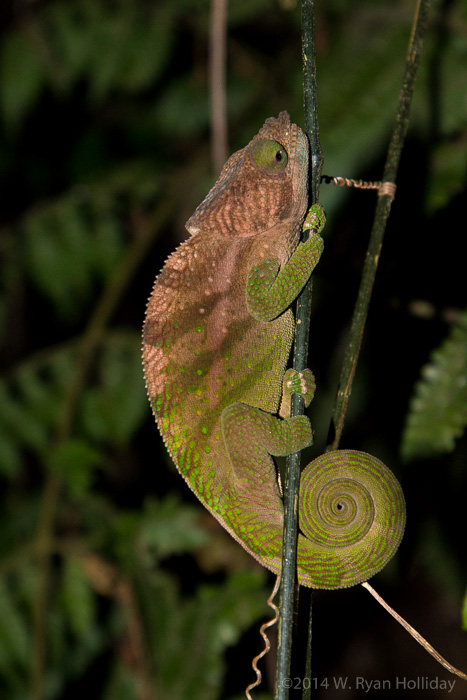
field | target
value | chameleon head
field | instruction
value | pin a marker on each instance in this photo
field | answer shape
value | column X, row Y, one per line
column 260, row 186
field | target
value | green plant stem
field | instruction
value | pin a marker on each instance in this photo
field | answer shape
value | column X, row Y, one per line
column 380, row 219
column 303, row 313
column 145, row 229
column 317, row 160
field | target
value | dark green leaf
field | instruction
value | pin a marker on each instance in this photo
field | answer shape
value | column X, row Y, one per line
column 22, row 77
column 78, row 597
column 114, row 409
column 438, row 410
column 75, row 461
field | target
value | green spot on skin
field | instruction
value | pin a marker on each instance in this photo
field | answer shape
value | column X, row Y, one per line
column 199, row 372
column 199, row 329
column 207, row 449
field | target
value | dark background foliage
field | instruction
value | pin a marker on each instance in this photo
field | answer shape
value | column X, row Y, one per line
column 113, row 580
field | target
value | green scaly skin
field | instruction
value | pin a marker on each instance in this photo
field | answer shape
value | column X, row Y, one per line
column 217, row 339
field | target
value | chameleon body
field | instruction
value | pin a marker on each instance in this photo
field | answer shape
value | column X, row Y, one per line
column 217, row 338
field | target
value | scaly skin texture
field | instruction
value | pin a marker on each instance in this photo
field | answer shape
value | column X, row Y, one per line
column 217, row 339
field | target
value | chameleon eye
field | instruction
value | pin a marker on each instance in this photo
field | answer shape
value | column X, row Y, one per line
column 270, row 155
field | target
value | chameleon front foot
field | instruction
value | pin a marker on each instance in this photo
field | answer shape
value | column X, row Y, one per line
column 315, row 219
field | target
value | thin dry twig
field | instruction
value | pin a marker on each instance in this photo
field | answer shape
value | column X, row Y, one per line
column 217, row 70
column 109, row 581
column 267, row 643
column 416, row 635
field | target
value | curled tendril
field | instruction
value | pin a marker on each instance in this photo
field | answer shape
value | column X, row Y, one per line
column 267, row 643
column 384, row 188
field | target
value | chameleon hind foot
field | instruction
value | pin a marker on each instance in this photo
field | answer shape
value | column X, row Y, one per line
column 251, row 436
column 294, row 382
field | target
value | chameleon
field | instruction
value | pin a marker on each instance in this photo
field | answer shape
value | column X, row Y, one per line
column 217, row 337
